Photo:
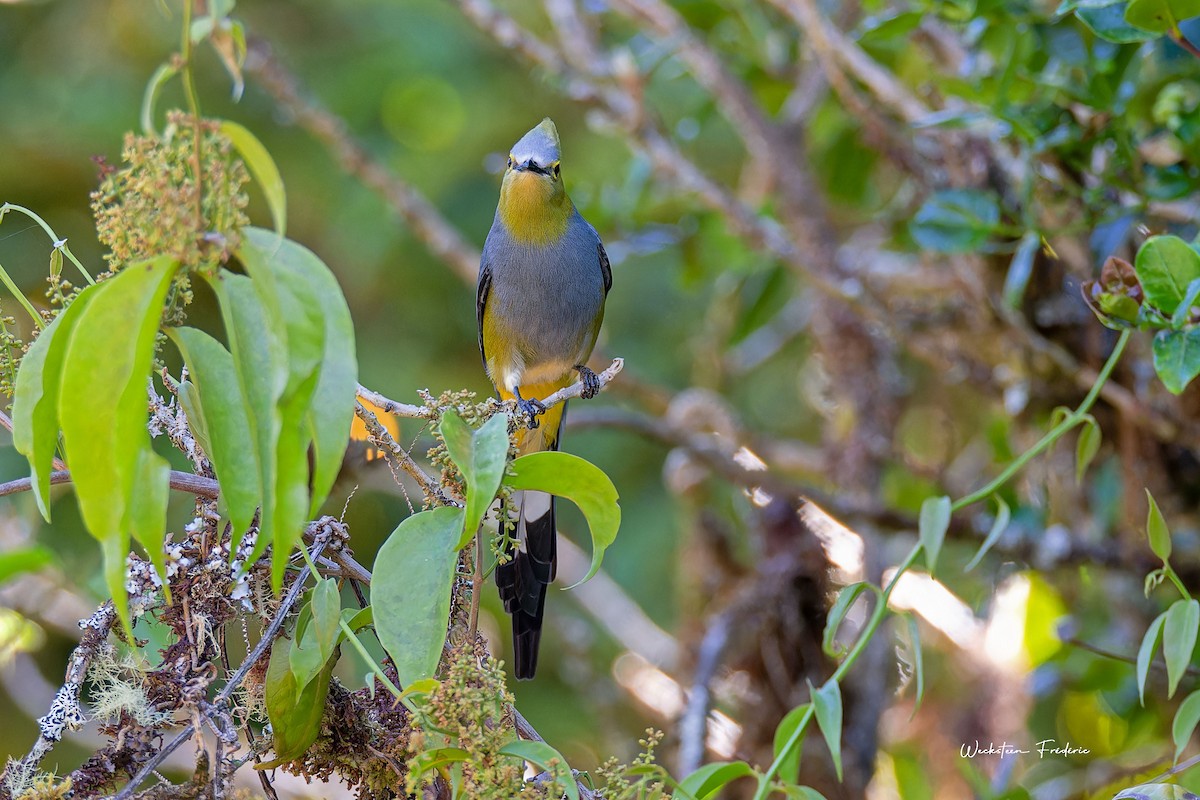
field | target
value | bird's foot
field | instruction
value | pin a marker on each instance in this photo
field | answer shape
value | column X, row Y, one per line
column 591, row 382
column 532, row 409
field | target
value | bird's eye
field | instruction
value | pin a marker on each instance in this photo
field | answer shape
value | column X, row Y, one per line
column 556, row 170
column 511, row 163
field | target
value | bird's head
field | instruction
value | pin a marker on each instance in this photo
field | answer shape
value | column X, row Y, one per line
column 533, row 203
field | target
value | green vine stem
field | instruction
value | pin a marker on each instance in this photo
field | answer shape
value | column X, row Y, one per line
column 880, row 611
column 189, row 88
column 60, row 244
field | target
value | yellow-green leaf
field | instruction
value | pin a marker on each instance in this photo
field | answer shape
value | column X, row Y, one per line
column 581, row 482
column 35, row 398
column 262, row 167
column 480, row 456
column 1157, row 531
column 1179, row 639
column 102, row 404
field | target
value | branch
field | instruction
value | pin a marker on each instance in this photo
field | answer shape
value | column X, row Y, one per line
column 384, row 441
column 390, row 406
column 65, row 712
column 441, row 237
column 264, row 644
column 180, row 481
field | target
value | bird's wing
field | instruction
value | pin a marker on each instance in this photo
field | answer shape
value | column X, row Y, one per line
column 481, row 296
column 605, row 268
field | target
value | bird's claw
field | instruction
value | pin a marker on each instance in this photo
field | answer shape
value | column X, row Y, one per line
column 532, row 409
column 591, row 382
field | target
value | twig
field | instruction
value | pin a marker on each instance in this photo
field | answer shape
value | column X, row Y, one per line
column 442, row 238
column 65, row 712
column 383, row 440
column 391, row 406
column 576, row 389
column 693, row 725
column 227, row 691
column 180, row 481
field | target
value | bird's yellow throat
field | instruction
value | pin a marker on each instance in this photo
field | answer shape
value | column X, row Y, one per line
column 533, row 207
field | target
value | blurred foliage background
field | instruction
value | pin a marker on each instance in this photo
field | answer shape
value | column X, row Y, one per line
column 848, row 237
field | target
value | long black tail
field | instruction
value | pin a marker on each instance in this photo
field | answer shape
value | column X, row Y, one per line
column 523, row 581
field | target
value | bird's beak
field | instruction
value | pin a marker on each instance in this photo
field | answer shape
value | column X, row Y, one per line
column 531, row 166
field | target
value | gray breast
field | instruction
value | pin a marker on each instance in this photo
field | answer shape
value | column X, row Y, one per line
column 548, row 297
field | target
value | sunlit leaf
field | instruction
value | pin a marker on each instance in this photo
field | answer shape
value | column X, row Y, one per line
column 1165, row 266
column 1157, row 531
column 102, row 405
column 262, row 167
column 480, row 456
column 827, row 704
column 35, row 398
column 582, row 483
column 1185, row 722
column 1146, row 653
column 933, row 523
column 841, row 607
column 1177, row 358
column 789, row 763
column 707, row 781
column 1160, row 16
column 1179, row 639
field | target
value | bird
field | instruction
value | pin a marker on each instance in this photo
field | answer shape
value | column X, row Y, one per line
column 543, row 280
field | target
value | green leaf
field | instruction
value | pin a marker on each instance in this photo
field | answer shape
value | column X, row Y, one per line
column 1157, row 531
column 914, row 641
column 999, row 526
column 1086, row 447
column 1107, row 20
column 542, row 755
column 827, row 703
column 933, row 523
column 315, row 643
column 220, row 414
column 331, row 410
column 102, row 406
column 1020, row 269
column 1179, row 639
column 955, row 220
column 1160, row 16
column 841, row 606
column 24, row 559
column 1184, row 310
column 1165, row 265
column 789, row 763
column 582, row 483
column 294, row 285
column 1186, row 719
column 438, row 758
column 260, row 359
column 1146, row 653
column 709, row 779
column 35, row 397
column 1177, row 358
column 262, row 167
column 410, row 590
column 189, row 401
column 358, row 618
column 480, row 456
column 146, row 514
column 295, row 712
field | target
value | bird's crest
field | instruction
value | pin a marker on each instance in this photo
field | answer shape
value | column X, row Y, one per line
column 540, row 144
